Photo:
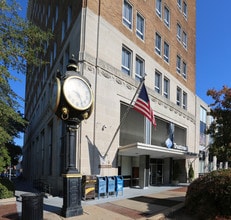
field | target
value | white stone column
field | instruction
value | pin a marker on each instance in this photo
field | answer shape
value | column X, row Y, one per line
column 214, row 163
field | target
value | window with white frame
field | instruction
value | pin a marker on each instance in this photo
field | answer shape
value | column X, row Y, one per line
column 139, row 68
column 166, row 87
column 178, row 64
column 179, row 4
column 158, row 44
column 178, row 32
column 185, row 9
column 184, row 39
column 166, row 52
column 126, row 60
column 140, row 26
column 184, row 102
column 166, row 16
column 158, row 82
column 178, row 96
column 158, row 8
column 127, row 14
column 184, row 69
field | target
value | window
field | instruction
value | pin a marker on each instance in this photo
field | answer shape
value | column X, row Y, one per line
column 178, row 32
column 184, row 104
column 185, row 9
column 139, row 68
column 166, row 88
column 49, row 11
column 140, row 26
column 157, row 82
column 184, row 70
column 55, row 51
column 178, row 96
column 158, row 44
column 179, row 4
column 158, row 7
column 184, row 39
column 166, row 16
column 203, row 117
column 66, row 58
column 178, row 64
column 56, row 13
column 126, row 61
column 51, row 59
column 69, row 16
column 64, row 27
column 127, row 14
column 166, row 52
column 53, row 25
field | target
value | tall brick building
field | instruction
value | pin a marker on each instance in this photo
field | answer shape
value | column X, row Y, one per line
column 115, row 44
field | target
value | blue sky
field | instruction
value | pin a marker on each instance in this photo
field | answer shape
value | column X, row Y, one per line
column 213, row 47
column 213, row 43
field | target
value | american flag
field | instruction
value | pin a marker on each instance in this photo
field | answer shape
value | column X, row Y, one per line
column 142, row 105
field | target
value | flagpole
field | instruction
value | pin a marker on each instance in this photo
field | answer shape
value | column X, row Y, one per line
column 125, row 114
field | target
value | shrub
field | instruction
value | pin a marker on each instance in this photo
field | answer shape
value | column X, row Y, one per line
column 6, row 189
column 210, row 196
column 190, row 173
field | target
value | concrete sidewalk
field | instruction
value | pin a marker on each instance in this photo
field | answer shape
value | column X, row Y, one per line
column 151, row 203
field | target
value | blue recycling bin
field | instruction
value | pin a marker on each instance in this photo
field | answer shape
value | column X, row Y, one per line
column 101, row 186
column 110, row 185
column 119, row 183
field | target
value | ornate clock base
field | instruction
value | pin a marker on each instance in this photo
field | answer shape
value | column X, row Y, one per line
column 72, row 195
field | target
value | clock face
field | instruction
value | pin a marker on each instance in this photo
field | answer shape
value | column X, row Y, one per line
column 55, row 96
column 77, row 93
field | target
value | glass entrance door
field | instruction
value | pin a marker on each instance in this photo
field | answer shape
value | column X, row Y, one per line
column 156, row 172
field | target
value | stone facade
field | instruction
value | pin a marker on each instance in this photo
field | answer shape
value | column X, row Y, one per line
column 96, row 36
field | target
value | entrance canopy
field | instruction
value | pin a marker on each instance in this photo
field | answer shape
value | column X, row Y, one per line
column 154, row 151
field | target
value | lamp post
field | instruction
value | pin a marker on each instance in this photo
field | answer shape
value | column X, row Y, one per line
column 72, row 101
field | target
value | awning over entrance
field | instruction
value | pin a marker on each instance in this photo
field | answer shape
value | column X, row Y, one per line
column 154, row 151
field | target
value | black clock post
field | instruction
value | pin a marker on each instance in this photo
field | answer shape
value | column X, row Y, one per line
column 72, row 109
column 72, row 178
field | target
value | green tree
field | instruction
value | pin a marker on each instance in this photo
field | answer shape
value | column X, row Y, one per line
column 220, row 128
column 21, row 44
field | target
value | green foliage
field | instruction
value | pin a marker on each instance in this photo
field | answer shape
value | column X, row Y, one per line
column 210, row 195
column 6, row 189
column 220, row 129
column 21, row 44
column 4, row 159
column 15, row 152
column 190, row 173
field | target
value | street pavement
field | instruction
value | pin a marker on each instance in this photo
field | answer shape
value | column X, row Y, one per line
column 152, row 203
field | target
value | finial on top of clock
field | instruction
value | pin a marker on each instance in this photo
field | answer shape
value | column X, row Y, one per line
column 72, row 66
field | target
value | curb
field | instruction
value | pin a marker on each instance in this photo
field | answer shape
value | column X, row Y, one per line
column 162, row 215
column 8, row 201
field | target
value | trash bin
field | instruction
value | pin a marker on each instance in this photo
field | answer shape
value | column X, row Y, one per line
column 110, row 185
column 101, row 185
column 119, row 184
column 88, row 187
column 32, row 206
